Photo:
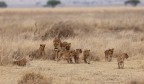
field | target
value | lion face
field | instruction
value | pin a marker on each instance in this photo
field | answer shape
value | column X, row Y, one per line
column 42, row 47
column 126, row 55
column 56, row 43
column 73, row 53
column 68, row 46
column 79, row 50
column 111, row 51
column 31, row 57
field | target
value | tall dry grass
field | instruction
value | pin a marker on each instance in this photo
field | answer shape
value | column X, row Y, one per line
column 96, row 29
column 34, row 78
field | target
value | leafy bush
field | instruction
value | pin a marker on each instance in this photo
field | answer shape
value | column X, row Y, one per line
column 53, row 3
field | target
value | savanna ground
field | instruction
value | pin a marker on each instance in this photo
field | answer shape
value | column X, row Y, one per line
column 97, row 29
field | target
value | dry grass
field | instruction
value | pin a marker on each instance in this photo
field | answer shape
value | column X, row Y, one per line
column 63, row 73
column 33, row 78
column 97, row 29
column 136, row 82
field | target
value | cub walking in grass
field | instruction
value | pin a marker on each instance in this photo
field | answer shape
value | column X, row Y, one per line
column 108, row 55
column 120, row 60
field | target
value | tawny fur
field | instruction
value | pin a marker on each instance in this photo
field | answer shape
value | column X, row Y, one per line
column 57, row 43
column 86, row 56
column 57, row 47
column 108, row 54
column 65, row 55
column 120, row 60
column 21, row 62
column 65, row 46
column 76, row 55
column 37, row 54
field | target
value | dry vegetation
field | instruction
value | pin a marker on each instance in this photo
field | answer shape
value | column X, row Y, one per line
column 33, row 78
column 97, row 29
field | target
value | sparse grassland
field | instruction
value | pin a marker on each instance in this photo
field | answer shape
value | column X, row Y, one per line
column 97, row 29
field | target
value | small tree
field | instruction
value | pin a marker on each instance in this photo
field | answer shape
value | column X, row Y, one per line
column 53, row 3
column 132, row 2
column 3, row 4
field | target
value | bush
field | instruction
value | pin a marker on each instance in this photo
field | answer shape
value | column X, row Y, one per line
column 33, row 78
column 61, row 29
column 53, row 3
column 132, row 2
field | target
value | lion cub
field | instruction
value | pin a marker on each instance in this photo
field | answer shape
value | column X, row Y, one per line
column 65, row 55
column 86, row 56
column 39, row 53
column 108, row 54
column 21, row 62
column 120, row 60
column 75, row 54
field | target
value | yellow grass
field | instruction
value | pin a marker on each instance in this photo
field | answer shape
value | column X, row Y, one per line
column 96, row 29
column 63, row 73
